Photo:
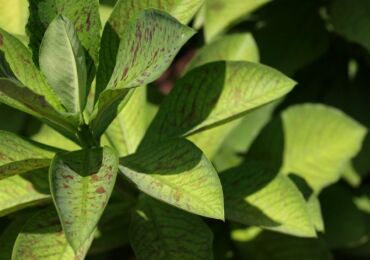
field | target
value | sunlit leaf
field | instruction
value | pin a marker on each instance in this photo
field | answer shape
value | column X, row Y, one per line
column 81, row 184
column 11, row 10
column 159, row 231
column 177, row 173
column 62, row 60
column 42, row 238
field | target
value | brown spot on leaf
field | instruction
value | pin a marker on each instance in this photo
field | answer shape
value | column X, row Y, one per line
column 88, row 21
column 94, row 177
column 100, row 190
column 67, row 177
column 66, row 186
column 1, row 40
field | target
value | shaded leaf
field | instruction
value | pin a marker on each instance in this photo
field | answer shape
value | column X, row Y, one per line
column 177, row 173
column 256, row 194
column 62, row 60
column 202, row 98
column 42, row 238
column 351, row 19
column 81, row 183
column 19, row 167
column 159, row 231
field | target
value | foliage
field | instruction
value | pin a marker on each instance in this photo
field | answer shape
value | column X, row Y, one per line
column 97, row 161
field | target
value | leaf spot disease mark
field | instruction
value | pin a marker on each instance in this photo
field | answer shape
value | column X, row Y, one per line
column 67, row 177
column 100, row 190
column 1, row 40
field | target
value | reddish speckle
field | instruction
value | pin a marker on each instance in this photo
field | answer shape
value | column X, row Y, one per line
column 66, row 186
column 94, row 177
column 100, row 190
column 67, row 177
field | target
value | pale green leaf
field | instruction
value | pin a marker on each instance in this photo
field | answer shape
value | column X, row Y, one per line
column 222, row 13
column 83, row 13
column 124, row 11
column 255, row 194
column 81, row 183
column 177, row 173
column 319, row 142
column 148, row 46
column 202, row 98
column 127, row 130
column 351, row 19
column 42, row 238
column 159, row 231
column 25, row 190
column 13, row 16
column 21, row 64
column 62, row 60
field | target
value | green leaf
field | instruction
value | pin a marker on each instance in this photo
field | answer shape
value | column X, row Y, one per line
column 265, row 245
column 351, row 19
column 62, row 60
column 20, row 62
column 84, row 14
column 177, row 173
column 20, row 97
column 127, row 130
column 142, row 57
column 202, row 98
column 25, row 190
column 124, row 11
column 220, row 14
column 319, row 142
column 20, row 167
column 232, row 47
column 10, row 10
column 256, row 194
column 42, row 238
column 159, row 231
column 81, row 183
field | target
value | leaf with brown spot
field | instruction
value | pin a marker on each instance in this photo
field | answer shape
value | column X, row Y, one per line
column 178, row 173
column 81, row 184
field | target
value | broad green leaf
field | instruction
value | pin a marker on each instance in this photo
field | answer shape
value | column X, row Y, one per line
column 148, row 46
column 256, row 194
column 124, row 11
column 20, row 62
column 81, row 183
column 42, row 238
column 319, row 142
column 202, row 98
column 13, row 16
column 20, row 97
column 127, row 130
column 19, row 167
column 84, row 14
column 62, row 60
column 232, row 47
column 265, row 245
column 159, row 231
column 112, row 231
column 177, row 173
column 351, row 19
column 220, row 14
column 25, row 190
